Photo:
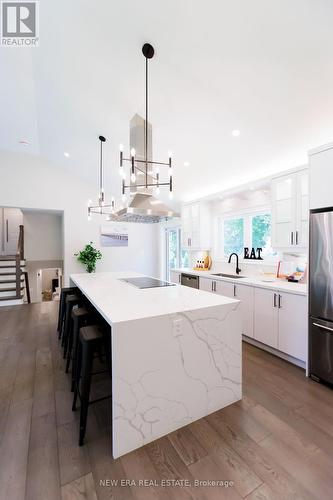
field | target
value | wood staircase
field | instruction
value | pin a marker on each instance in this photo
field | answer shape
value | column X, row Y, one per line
column 13, row 277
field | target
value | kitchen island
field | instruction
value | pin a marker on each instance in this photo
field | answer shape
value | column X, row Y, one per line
column 176, row 355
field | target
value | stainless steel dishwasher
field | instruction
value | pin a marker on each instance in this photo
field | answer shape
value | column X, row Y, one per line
column 189, row 280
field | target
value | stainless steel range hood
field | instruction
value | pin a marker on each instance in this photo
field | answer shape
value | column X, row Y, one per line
column 146, row 209
column 143, row 207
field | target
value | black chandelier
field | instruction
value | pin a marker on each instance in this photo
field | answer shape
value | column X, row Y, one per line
column 101, row 207
column 145, row 166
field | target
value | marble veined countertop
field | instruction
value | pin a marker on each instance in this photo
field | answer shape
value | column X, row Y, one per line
column 118, row 301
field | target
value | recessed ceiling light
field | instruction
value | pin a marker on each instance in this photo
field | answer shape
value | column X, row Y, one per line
column 235, row 133
column 186, row 163
column 66, row 154
column 24, row 142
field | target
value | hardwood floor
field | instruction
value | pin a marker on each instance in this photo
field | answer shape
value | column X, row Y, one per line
column 277, row 443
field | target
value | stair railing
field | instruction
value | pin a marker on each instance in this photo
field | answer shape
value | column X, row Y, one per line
column 18, row 257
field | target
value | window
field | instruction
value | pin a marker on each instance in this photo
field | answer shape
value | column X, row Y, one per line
column 175, row 256
column 248, row 230
column 233, row 236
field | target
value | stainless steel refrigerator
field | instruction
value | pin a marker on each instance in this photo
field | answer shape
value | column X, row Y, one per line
column 321, row 295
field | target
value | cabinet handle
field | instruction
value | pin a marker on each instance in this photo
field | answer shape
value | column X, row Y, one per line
column 190, row 242
column 179, row 278
column 212, row 286
column 280, row 301
column 296, row 237
column 7, row 230
column 292, row 237
column 234, row 290
column 274, row 300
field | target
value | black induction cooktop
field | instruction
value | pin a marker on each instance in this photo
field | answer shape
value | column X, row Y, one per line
column 146, row 282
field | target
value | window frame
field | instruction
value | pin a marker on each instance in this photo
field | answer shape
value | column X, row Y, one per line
column 247, row 215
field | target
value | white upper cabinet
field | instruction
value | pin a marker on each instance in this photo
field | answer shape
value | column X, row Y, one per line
column 196, row 226
column 321, row 177
column 290, row 210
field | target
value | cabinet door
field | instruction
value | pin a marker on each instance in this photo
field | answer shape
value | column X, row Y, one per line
column 265, row 317
column 284, row 211
column 225, row 288
column 246, row 295
column 302, row 209
column 174, row 277
column 293, row 325
column 186, row 225
column 13, row 218
column 207, row 284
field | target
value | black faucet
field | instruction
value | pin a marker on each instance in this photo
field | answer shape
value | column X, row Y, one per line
column 237, row 268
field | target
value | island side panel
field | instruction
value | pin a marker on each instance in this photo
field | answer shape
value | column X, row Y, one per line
column 171, row 370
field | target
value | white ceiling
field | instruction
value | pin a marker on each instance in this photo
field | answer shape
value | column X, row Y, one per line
column 263, row 67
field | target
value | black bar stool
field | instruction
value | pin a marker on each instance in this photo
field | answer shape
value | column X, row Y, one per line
column 62, row 307
column 72, row 300
column 92, row 341
column 81, row 316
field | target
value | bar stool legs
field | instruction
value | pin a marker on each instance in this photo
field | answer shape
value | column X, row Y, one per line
column 87, row 361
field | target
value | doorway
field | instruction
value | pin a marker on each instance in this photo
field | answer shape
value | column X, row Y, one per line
column 176, row 257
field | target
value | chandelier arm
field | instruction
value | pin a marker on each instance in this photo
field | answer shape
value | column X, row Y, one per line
column 155, row 184
column 150, row 162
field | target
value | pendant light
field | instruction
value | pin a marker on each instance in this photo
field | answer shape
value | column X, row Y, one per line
column 101, row 207
column 145, row 166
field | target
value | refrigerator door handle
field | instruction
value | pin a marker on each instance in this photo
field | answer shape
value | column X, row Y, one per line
column 292, row 237
column 323, row 327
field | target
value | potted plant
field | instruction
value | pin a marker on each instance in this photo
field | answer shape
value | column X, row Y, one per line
column 88, row 257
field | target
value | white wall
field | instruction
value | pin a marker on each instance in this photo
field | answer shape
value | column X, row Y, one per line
column 29, row 182
column 42, row 236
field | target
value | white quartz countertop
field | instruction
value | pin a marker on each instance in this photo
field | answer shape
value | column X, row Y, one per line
column 278, row 285
column 118, row 301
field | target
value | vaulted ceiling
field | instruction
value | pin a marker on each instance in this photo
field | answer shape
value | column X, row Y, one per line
column 262, row 67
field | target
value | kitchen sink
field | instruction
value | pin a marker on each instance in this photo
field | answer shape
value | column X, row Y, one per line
column 223, row 275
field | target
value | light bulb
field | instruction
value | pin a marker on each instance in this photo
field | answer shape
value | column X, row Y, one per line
column 121, row 171
column 133, row 177
column 132, row 152
column 171, row 195
column 121, row 147
column 170, row 154
column 89, row 203
column 123, row 198
column 157, row 190
column 170, row 171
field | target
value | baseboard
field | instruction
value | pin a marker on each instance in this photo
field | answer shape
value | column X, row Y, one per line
column 276, row 352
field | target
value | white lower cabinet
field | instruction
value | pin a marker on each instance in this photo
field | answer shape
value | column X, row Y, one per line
column 241, row 292
column 276, row 319
column 280, row 321
column 293, row 325
column 266, row 320
column 246, row 295
column 175, row 277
